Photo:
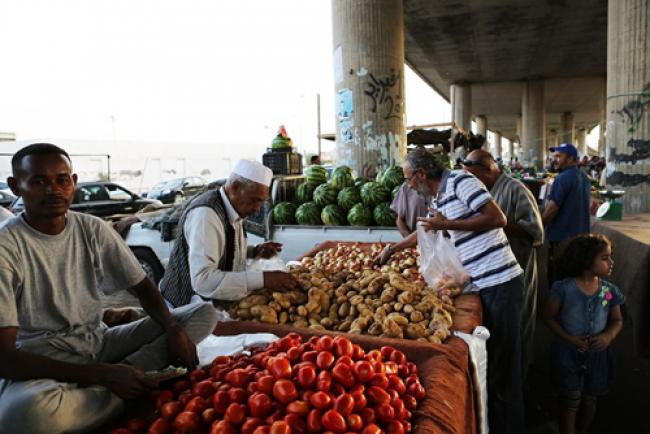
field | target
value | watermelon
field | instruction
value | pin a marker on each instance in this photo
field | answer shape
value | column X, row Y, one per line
column 316, row 174
column 392, row 177
column 384, row 215
column 333, row 215
column 360, row 215
column 348, row 197
column 341, row 179
column 360, row 181
column 325, row 195
column 283, row 213
column 308, row 214
column 344, row 169
column 379, row 176
column 304, row 193
column 374, row 193
column 395, row 191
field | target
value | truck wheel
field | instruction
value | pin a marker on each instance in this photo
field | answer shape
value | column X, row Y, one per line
column 149, row 263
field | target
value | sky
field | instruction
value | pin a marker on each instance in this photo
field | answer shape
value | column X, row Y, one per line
column 167, row 72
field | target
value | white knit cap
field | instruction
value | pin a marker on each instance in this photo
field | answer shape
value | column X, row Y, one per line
column 254, row 171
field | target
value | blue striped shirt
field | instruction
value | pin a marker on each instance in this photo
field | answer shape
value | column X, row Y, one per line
column 486, row 255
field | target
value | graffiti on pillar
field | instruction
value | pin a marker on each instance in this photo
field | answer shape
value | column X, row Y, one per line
column 640, row 151
column 384, row 146
column 633, row 111
column 384, row 93
column 627, row 180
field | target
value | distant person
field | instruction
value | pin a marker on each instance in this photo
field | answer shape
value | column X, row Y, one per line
column 584, row 313
column 315, row 159
column 208, row 260
column 567, row 210
column 409, row 205
column 524, row 230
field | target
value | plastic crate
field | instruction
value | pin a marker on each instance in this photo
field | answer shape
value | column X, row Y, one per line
column 282, row 190
column 283, row 163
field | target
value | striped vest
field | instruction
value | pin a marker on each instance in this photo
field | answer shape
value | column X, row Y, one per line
column 176, row 285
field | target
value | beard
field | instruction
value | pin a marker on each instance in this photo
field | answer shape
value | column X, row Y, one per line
column 423, row 188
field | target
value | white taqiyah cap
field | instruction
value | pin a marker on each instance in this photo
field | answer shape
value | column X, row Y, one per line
column 254, row 171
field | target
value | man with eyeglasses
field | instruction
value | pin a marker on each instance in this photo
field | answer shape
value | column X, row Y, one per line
column 524, row 230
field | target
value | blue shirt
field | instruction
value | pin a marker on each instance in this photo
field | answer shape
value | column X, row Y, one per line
column 581, row 314
column 571, row 192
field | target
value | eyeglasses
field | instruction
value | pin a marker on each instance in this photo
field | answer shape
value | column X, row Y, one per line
column 470, row 163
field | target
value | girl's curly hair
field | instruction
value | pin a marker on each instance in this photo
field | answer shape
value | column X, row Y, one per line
column 581, row 252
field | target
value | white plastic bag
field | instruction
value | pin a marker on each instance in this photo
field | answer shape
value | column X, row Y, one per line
column 439, row 262
column 274, row 263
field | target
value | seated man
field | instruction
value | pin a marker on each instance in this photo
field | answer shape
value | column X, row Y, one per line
column 209, row 254
column 61, row 368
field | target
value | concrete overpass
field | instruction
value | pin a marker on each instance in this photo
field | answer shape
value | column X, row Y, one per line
column 536, row 72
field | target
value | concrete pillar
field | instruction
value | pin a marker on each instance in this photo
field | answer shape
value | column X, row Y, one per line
column 551, row 138
column 497, row 144
column 511, row 149
column 567, row 128
column 518, row 128
column 461, row 105
column 533, row 130
column 603, row 120
column 368, row 40
column 628, row 102
column 481, row 126
column 581, row 141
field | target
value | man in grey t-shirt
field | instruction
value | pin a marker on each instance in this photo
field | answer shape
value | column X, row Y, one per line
column 61, row 368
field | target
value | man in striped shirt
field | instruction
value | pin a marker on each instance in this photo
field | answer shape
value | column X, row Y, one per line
column 464, row 208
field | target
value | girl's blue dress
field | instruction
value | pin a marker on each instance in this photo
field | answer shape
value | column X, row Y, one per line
column 581, row 315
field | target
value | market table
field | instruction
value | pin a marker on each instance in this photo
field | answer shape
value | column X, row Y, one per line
column 631, row 253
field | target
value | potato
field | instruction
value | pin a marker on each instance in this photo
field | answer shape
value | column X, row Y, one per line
column 416, row 316
column 398, row 318
column 284, row 317
column 252, row 300
column 344, row 309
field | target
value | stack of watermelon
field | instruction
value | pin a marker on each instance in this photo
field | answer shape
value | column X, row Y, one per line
column 343, row 200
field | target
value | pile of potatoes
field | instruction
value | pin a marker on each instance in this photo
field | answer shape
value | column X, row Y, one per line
column 390, row 301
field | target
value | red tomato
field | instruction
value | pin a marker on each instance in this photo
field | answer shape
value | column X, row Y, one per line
column 159, row 426
column 324, row 382
column 196, row 405
column 276, row 415
column 379, row 367
column 170, row 409
column 391, row 368
column 417, row 391
column 363, row 371
column 250, row 424
column 398, row 405
column 398, row 357
column 357, row 352
column 372, row 429
column 314, row 423
column 309, row 356
column 221, row 360
column 343, row 375
column 342, row 347
column 354, row 422
column 413, row 368
column 185, row 397
column 395, row 427
column 325, row 343
column 360, row 400
column 237, row 394
column 368, row 415
column 121, row 431
column 378, row 395
column 264, row 384
column 209, row 415
column 285, row 391
column 163, row 397
column 379, row 380
column 297, row 423
column 386, row 351
column 235, row 414
column 280, row 427
column 306, row 377
column 404, row 414
column 320, row 400
column 385, row 413
column 410, row 402
column 301, row 408
column 279, row 367
column 313, row 340
column 223, row 427
column 325, row 360
column 344, row 404
column 406, row 425
column 262, row 429
column 333, row 421
column 393, row 395
column 181, row 386
column 403, row 371
column 294, row 354
column 203, row 388
column 238, row 377
column 397, row 384
column 259, row 404
column 186, row 422
column 374, row 356
column 304, row 396
column 220, row 401
column 197, row 375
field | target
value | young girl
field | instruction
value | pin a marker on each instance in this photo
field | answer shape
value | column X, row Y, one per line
column 584, row 312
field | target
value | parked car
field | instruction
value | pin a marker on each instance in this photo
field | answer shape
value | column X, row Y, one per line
column 177, row 190
column 6, row 199
column 4, row 187
column 102, row 199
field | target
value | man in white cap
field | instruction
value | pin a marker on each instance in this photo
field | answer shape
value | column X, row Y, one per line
column 209, row 254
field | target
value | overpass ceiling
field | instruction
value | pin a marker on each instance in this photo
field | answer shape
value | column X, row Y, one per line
column 504, row 40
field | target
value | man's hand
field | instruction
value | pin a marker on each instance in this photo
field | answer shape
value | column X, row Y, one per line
column 181, row 346
column 435, row 223
column 279, row 280
column 384, row 256
column 601, row 342
column 267, row 250
column 115, row 317
column 580, row 342
column 125, row 381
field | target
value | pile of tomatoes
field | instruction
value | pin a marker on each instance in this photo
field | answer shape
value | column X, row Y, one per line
column 324, row 385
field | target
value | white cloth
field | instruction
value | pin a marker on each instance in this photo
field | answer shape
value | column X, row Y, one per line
column 206, row 239
column 253, row 171
column 478, row 360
